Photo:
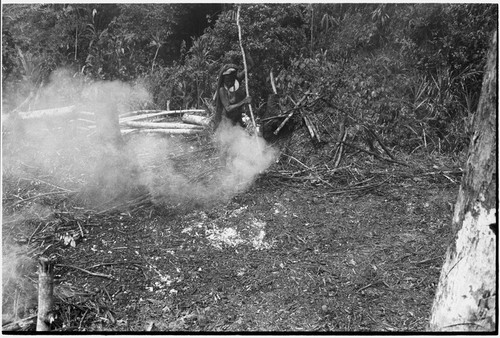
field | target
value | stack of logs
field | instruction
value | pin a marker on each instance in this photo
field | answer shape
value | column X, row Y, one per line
column 170, row 122
column 153, row 122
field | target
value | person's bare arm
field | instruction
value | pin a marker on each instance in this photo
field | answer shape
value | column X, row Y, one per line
column 231, row 108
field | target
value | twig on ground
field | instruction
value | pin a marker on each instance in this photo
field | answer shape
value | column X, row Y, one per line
column 366, row 187
column 426, row 260
column 83, row 317
column 379, row 142
column 47, row 183
column 341, row 149
column 81, row 230
column 293, row 158
column 114, row 263
column 310, row 127
column 372, row 284
column 13, row 326
column 374, row 154
column 34, row 232
column 42, row 195
column 95, row 274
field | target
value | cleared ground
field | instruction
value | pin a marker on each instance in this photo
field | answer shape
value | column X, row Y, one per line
column 285, row 255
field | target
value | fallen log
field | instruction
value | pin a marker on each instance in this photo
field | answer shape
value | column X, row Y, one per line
column 46, row 112
column 196, row 119
column 161, row 113
column 164, row 131
column 160, row 125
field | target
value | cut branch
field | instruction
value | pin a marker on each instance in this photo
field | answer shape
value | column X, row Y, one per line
column 87, row 271
column 160, row 113
column 291, row 113
column 164, row 131
column 139, row 112
column 160, row 125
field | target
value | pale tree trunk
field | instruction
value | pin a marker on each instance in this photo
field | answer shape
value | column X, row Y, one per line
column 466, row 294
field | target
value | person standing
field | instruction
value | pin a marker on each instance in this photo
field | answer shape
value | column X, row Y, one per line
column 230, row 96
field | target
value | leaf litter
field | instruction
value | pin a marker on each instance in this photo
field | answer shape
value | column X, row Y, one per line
column 281, row 256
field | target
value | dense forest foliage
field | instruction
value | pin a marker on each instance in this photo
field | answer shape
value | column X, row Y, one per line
column 412, row 70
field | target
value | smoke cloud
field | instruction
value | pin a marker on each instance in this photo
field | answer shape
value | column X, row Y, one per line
column 67, row 152
column 70, row 153
column 209, row 175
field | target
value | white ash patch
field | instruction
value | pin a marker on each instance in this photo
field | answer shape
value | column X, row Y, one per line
column 230, row 236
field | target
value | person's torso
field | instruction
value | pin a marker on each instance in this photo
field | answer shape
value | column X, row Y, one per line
column 236, row 94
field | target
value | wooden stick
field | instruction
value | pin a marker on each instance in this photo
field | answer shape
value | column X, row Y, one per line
column 161, row 113
column 46, row 194
column 282, row 124
column 87, row 271
column 315, row 130
column 19, row 324
column 139, row 112
column 272, row 82
column 245, row 66
column 45, row 294
column 277, row 116
column 114, row 263
column 164, row 131
column 291, row 113
column 309, row 127
column 341, row 148
column 160, row 125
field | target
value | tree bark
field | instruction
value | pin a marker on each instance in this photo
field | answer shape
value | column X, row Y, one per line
column 466, row 294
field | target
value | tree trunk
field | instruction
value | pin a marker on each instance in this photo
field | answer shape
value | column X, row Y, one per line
column 466, row 294
column 45, row 294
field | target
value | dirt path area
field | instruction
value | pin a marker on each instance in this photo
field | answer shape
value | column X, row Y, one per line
column 281, row 257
